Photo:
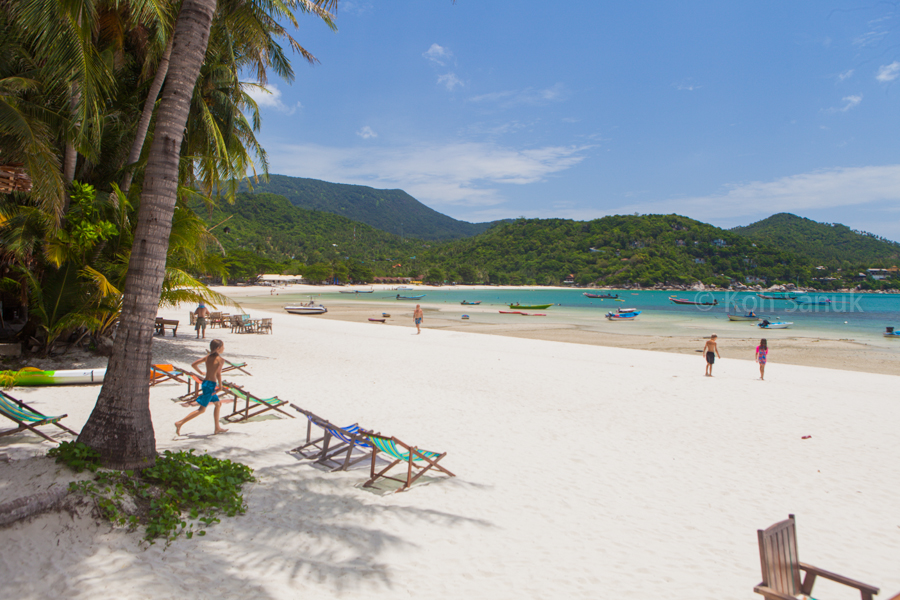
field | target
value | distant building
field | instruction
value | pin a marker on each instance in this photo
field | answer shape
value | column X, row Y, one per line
column 753, row 279
column 570, row 278
column 272, row 279
column 700, row 261
column 720, row 243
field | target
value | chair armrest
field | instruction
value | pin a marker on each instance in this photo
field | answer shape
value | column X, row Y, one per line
column 839, row 578
column 771, row 594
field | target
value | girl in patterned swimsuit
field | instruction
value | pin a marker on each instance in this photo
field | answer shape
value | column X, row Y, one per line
column 762, row 352
column 208, row 388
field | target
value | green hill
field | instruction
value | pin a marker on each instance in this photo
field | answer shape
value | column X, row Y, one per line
column 829, row 244
column 388, row 210
column 647, row 249
column 265, row 233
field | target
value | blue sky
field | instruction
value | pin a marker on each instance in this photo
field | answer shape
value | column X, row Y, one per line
column 726, row 112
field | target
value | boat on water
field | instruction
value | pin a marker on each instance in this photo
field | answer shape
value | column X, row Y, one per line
column 467, row 303
column 765, row 324
column 777, row 296
column 629, row 316
column 692, row 303
column 590, row 295
column 308, row 309
column 750, row 316
column 31, row 376
column 404, row 288
column 399, row 297
column 530, row 306
column 813, row 302
column 356, row 291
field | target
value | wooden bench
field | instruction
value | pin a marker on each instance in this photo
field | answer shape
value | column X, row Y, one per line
column 161, row 325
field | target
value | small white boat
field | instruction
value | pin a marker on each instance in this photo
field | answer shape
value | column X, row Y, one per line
column 777, row 325
column 626, row 310
column 306, row 310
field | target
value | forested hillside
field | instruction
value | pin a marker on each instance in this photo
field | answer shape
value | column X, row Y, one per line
column 266, row 233
column 393, row 211
column 645, row 249
column 830, row 244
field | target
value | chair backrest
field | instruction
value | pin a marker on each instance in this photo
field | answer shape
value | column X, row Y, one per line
column 12, row 409
column 245, row 318
column 778, row 557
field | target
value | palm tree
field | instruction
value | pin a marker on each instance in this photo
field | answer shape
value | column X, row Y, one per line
column 119, row 426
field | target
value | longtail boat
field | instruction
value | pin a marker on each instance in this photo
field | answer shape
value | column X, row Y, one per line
column 783, row 296
column 531, row 306
column 692, row 303
column 589, row 295
column 399, row 297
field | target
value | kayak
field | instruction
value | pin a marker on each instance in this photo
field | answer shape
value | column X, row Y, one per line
column 30, row 376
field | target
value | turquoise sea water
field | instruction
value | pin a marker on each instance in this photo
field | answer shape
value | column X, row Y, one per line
column 849, row 316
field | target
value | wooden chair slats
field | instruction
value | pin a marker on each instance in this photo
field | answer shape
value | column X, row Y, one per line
column 781, row 566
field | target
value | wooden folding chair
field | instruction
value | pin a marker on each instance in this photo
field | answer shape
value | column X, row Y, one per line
column 348, row 444
column 230, row 366
column 162, row 373
column 28, row 418
column 781, row 566
column 263, row 404
column 418, row 461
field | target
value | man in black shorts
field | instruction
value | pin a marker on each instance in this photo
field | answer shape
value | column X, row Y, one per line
column 710, row 352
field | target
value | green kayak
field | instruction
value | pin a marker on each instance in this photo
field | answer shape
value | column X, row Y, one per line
column 530, row 306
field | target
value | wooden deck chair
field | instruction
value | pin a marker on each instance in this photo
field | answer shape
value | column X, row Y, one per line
column 230, row 366
column 28, row 418
column 418, row 461
column 348, row 444
column 250, row 401
column 781, row 566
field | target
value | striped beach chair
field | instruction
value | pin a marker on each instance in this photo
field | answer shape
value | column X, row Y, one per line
column 417, row 461
column 28, row 418
column 253, row 405
column 232, row 366
column 348, row 444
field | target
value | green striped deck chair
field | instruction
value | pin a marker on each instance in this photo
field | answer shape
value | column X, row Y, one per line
column 253, row 405
column 230, row 366
column 27, row 417
column 417, row 461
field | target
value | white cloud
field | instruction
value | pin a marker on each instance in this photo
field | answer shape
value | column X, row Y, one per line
column 888, row 72
column 825, row 189
column 845, row 75
column 466, row 174
column 850, row 102
column 450, row 81
column 687, row 85
column 268, row 96
column 438, row 54
column 366, row 133
column 528, row 96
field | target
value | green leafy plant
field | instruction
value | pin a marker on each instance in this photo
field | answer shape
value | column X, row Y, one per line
column 76, row 456
column 181, row 494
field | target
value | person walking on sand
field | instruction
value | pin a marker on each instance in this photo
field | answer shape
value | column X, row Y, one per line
column 212, row 382
column 762, row 352
column 201, row 313
column 418, row 315
column 710, row 352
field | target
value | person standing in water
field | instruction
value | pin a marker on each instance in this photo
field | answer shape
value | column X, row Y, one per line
column 710, row 352
column 201, row 313
column 418, row 315
column 211, row 383
column 762, row 352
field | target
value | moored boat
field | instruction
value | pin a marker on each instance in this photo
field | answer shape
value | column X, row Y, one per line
column 765, row 324
column 399, row 297
column 813, row 302
column 626, row 310
column 306, row 310
column 590, row 295
column 750, row 316
column 631, row 316
column 692, row 303
column 467, row 303
column 376, row 320
column 777, row 296
column 510, row 312
column 530, row 306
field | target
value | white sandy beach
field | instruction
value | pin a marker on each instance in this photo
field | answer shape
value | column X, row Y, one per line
column 582, row 472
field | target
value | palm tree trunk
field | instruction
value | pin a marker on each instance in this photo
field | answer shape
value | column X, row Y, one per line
column 144, row 124
column 119, row 426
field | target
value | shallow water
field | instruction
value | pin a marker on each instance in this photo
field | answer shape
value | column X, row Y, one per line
column 861, row 317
